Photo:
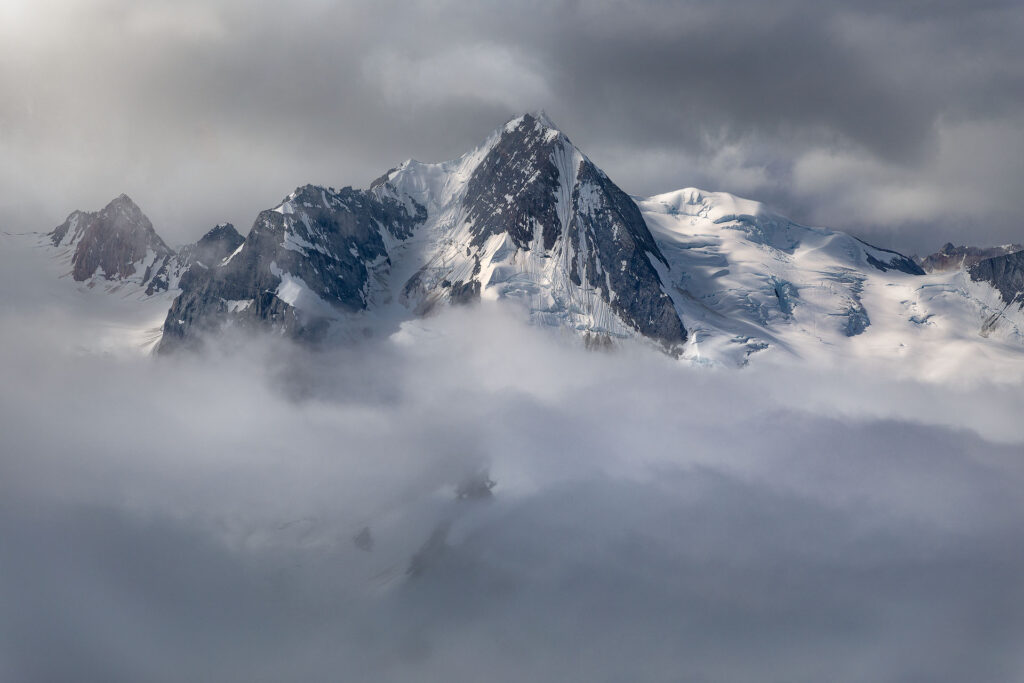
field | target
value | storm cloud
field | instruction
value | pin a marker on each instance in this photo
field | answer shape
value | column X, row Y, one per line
column 899, row 122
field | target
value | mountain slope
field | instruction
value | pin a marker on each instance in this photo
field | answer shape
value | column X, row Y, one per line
column 745, row 279
column 316, row 256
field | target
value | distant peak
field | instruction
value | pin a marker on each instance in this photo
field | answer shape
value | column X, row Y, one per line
column 123, row 201
column 694, row 201
column 537, row 118
column 542, row 117
column 534, row 124
column 220, row 231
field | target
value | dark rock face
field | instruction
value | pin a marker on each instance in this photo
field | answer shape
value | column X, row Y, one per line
column 902, row 263
column 513, row 190
column 1005, row 273
column 112, row 241
column 209, row 251
column 71, row 229
column 517, row 190
column 951, row 257
column 213, row 247
column 464, row 292
column 857, row 320
column 326, row 246
column 895, row 261
column 615, row 249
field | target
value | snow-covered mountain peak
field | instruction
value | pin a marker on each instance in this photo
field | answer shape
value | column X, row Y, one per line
column 441, row 185
column 525, row 217
column 537, row 120
column 691, row 201
column 752, row 221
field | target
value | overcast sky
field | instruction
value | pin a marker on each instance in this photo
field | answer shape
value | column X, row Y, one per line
column 901, row 122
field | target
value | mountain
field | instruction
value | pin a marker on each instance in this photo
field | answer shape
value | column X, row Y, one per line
column 216, row 245
column 528, row 219
column 951, row 257
column 116, row 244
column 1005, row 273
column 525, row 216
column 745, row 278
column 119, row 247
column 318, row 255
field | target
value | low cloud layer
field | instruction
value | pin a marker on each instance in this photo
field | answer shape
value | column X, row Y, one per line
column 194, row 518
column 899, row 122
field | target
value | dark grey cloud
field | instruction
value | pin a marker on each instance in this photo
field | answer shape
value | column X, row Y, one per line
column 898, row 121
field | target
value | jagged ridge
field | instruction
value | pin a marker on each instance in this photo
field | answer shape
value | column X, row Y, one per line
column 524, row 214
column 526, row 217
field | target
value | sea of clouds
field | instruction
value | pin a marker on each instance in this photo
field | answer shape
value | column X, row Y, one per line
column 194, row 517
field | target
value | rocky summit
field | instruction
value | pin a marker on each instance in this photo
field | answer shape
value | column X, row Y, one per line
column 116, row 243
column 526, row 216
